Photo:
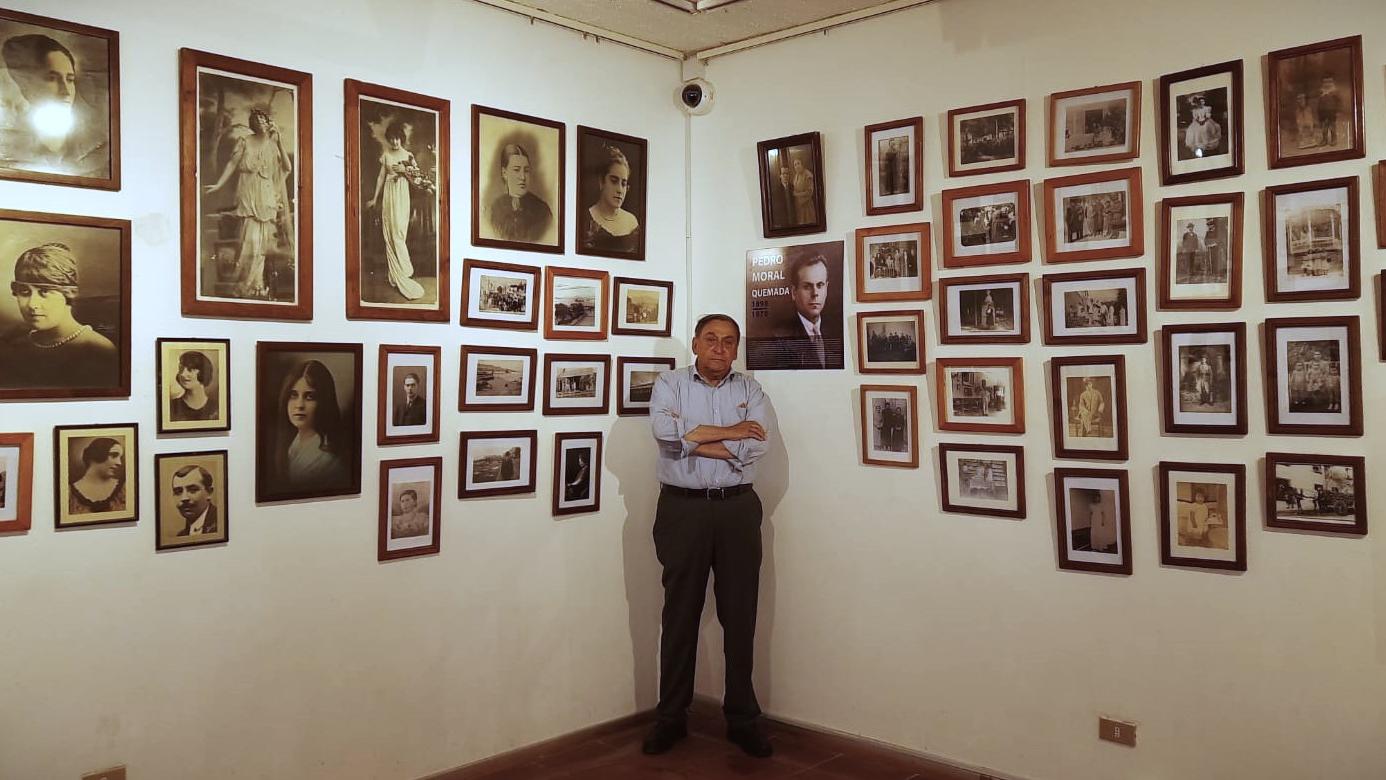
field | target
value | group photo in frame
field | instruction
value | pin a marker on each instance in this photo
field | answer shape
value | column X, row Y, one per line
column 1203, row 515
column 613, row 170
column 987, row 225
column 518, row 174
column 194, row 385
column 1311, row 241
column 497, row 379
column 890, row 425
column 980, row 395
column 307, row 420
column 894, row 166
column 791, row 185
column 1201, row 124
column 1314, row 103
column 1203, row 378
column 497, row 463
column 1093, row 519
column 500, row 295
column 891, row 342
column 1095, row 125
column 408, row 388
column 192, row 500
column 576, row 303
column 411, row 508
column 894, row 263
column 1094, row 216
column 95, row 474
column 1309, row 389
column 635, row 379
column 577, row 473
column 794, row 311
column 993, row 309
column 641, row 307
column 1094, row 307
column 1325, row 493
column 1089, row 416
column 982, row 479
column 16, row 482
column 577, row 384
column 1201, row 252
column 989, row 138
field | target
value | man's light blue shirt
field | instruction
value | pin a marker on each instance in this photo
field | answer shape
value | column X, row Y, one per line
column 682, row 401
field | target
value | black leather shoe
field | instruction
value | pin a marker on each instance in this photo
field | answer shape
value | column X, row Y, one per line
column 662, row 737
column 751, row 740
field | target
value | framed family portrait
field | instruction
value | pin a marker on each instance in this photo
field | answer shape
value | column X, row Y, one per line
column 893, row 263
column 575, row 304
column 95, row 474
column 500, row 295
column 60, row 122
column 16, row 482
column 1089, row 418
column 576, row 384
column 982, row 479
column 307, row 420
column 517, row 181
column 1093, row 519
column 192, row 508
column 1201, row 252
column 890, row 342
column 1325, row 493
column 1310, row 242
column 1203, row 379
column 1314, row 103
column 635, row 380
column 1095, row 125
column 1094, row 216
column 1201, row 128
column 193, row 387
column 411, row 508
column 986, row 139
column 894, row 166
column 497, row 463
column 577, row 473
column 794, row 313
column 408, row 387
column 890, row 425
column 613, row 171
column 987, row 225
column 980, row 395
column 984, row 309
column 246, row 183
column 641, row 307
column 1313, row 377
column 497, row 379
column 65, row 327
column 1203, row 515
column 791, row 185
column 1094, row 307
column 397, row 195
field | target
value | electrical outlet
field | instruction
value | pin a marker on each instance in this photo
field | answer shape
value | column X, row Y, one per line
column 1116, row 731
column 114, row 773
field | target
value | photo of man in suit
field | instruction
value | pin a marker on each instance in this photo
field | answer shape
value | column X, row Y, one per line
column 192, row 490
column 806, row 339
column 410, row 408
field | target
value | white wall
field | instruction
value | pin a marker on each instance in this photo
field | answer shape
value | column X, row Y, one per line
column 957, row 634
column 290, row 652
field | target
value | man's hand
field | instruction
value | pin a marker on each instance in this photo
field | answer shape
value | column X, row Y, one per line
column 746, row 429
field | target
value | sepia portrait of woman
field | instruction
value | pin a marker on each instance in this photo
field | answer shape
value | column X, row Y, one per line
column 261, row 164
column 100, row 484
column 55, row 344
column 392, row 197
column 47, row 127
column 610, row 228
column 518, row 214
column 196, row 381
column 313, row 442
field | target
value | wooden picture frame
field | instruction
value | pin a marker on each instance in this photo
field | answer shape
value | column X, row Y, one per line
column 635, row 378
column 594, row 232
column 296, row 384
column 1201, row 271
column 1338, row 500
column 785, row 208
column 992, row 309
column 988, row 224
column 1217, row 525
column 1093, row 486
column 526, row 154
column 577, row 482
column 1199, row 395
column 590, row 376
column 573, row 310
column 478, row 378
column 1090, row 414
column 413, row 531
column 508, row 297
column 192, row 504
column 1077, row 135
column 887, row 190
column 631, row 303
column 886, row 256
column 17, row 476
column 898, row 343
column 979, row 484
column 87, row 459
column 1202, row 124
column 497, row 463
column 1295, row 131
column 1379, row 190
column 965, row 395
column 1381, row 315
column 203, row 404
column 999, row 130
column 1089, row 213
column 1303, row 268
column 402, row 418
column 1088, row 319
column 1319, row 411
column 889, row 434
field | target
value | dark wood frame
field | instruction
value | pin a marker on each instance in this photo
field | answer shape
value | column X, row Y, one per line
column 814, row 141
column 1046, row 318
column 382, row 393
column 435, row 508
column 223, row 391
column 1019, row 478
column 1359, row 492
column 639, row 253
column 467, row 437
column 224, row 510
column 354, row 420
column 122, row 344
column 915, row 314
column 1234, row 258
column 1022, row 314
column 1050, row 136
column 190, row 195
column 537, row 274
column 1167, row 557
column 622, row 410
column 916, row 170
column 1169, row 382
column 1059, row 417
column 132, row 489
column 602, row 308
column 1135, row 221
column 23, row 488
column 551, row 358
column 617, row 282
column 356, row 309
column 463, row 377
column 596, row 472
column 112, row 38
column 1381, row 315
column 1273, row 97
column 1022, row 254
column 1016, row 397
column 1061, row 475
column 1379, row 189
column 926, row 262
column 1235, row 111
column 1354, row 376
column 1269, row 241
column 913, row 393
column 560, row 174
column 959, row 113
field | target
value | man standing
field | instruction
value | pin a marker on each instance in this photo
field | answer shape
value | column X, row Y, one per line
column 410, row 409
column 192, row 493
column 801, row 340
column 710, row 424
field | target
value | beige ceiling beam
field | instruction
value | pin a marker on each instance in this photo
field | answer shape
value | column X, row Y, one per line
column 807, row 29
column 532, row 13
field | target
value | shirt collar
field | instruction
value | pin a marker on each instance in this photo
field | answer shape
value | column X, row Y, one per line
column 809, row 327
column 196, row 526
column 693, row 371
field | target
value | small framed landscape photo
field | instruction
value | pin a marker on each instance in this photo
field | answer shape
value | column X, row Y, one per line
column 407, row 394
column 1094, row 216
column 635, row 379
column 1201, row 128
column 517, row 181
column 890, row 425
column 986, row 139
column 500, row 295
column 980, row 395
column 1313, row 377
column 497, row 379
column 894, row 166
column 16, row 482
column 890, row 342
column 893, row 263
column 1203, row 515
column 641, row 307
column 791, row 185
column 192, row 508
column 987, row 225
column 1089, row 406
column 411, row 506
column 1093, row 520
column 576, row 384
column 1316, row 492
column 193, row 385
column 1201, row 252
column 497, row 463
column 1094, row 307
column 613, row 190
column 1203, row 380
column 575, row 304
column 984, row 309
column 1314, row 103
column 307, row 420
column 577, row 473
column 1311, row 244
column 1095, row 125
column 95, row 474
column 982, row 479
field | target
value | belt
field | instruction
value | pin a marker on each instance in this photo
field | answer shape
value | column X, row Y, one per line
column 711, row 494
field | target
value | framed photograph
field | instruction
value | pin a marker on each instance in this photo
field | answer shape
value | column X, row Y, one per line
column 890, row 425
column 577, row 384
column 794, row 317
column 1310, row 243
column 1094, row 216
column 982, row 479
column 1094, row 307
column 1201, row 252
column 500, row 295
column 61, row 119
column 1316, row 492
column 987, row 225
column 1201, row 127
column 1314, row 103
column 246, row 184
column 791, row 185
column 635, row 378
column 1381, row 314
column 517, row 181
column 1203, row 515
column 890, row 342
column 497, row 463
column 980, row 395
column 893, row 263
column 192, row 507
column 1313, row 378
column 1089, row 417
column 95, row 474
column 575, row 304
column 65, row 328
column 613, row 169
column 497, row 379
column 984, row 309
column 397, row 195
column 1203, row 380
column 16, row 482
column 1093, row 520
column 411, row 508
column 642, row 307
column 1095, row 125
column 577, row 473
column 408, row 388
column 986, row 139
column 193, row 385
column 1379, row 178
column 894, row 166
column 307, row 420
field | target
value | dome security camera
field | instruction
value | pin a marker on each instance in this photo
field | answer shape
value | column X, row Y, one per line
column 695, row 97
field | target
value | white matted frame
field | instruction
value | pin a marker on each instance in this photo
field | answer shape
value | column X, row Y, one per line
column 982, row 479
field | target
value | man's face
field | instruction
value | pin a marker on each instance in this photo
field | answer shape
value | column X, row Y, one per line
column 191, row 495
column 810, row 291
column 411, row 389
column 715, row 347
column 407, row 504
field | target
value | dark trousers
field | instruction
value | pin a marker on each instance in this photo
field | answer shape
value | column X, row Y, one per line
column 695, row 535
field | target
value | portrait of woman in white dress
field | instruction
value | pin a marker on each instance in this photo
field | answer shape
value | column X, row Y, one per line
column 397, row 168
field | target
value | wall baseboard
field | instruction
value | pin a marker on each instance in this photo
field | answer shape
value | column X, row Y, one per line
column 526, row 754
